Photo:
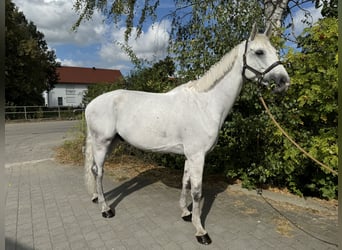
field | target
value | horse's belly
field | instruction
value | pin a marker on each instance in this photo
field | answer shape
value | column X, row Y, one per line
column 176, row 148
column 147, row 137
column 152, row 131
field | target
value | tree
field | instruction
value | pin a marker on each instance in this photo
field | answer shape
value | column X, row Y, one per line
column 210, row 31
column 157, row 78
column 275, row 11
column 249, row 146
column 30, row 66
column 135, row 13
column 329, row 7
column 202, row 31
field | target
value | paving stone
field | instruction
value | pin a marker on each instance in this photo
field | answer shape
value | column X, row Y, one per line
column 114, row 244
column 172, row 246
column 44, row 246
column 96, row 244
column 47, row 207
column 78, row 245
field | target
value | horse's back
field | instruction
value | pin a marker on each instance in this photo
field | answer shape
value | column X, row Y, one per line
column 125, row 105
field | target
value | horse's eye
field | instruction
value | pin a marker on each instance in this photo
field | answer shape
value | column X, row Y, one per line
column 259, row 52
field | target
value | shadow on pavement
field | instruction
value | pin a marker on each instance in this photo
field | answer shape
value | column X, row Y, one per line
column 212, row 186
column 13, row 245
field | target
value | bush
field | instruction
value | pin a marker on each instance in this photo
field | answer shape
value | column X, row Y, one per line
column 250, row 147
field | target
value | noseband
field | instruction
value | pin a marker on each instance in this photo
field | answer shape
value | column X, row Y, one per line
column 260, row 75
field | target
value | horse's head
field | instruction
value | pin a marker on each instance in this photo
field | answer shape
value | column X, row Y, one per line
column 261, row 62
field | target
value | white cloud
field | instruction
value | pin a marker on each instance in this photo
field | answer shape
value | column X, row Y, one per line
column 154, row 42
column 151, row 45
column 69, row 62
column 55, row 18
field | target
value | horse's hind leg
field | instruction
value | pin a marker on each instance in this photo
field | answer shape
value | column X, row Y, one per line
column 186, row 214
column 100, row 150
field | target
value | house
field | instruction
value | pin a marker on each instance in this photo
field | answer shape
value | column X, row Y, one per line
column 74, row 81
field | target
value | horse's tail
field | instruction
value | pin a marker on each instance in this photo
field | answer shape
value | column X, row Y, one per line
column 88, row 164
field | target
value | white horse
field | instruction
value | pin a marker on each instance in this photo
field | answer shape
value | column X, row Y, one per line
column 185, row 120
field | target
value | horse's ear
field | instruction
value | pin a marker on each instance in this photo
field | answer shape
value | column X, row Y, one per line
column 268, row 31
column 253, row 32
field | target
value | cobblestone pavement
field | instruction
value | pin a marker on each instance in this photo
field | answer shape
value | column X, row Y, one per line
column 47, row 207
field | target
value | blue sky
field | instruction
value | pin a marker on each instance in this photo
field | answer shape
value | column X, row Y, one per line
column 93, row 45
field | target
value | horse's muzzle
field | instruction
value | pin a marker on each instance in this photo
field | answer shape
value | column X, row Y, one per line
column 283, row 83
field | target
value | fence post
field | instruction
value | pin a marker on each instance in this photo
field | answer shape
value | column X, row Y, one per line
column 25, row 112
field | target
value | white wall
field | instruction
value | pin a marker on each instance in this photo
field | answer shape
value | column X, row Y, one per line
column 69, row 95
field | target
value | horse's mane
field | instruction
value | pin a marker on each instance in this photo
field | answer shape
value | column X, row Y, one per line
column 216, row 72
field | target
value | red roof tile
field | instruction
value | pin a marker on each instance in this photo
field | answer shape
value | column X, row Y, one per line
column 87, row 75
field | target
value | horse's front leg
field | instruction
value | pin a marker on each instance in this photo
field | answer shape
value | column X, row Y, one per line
column 196, row 175
column 186, row 214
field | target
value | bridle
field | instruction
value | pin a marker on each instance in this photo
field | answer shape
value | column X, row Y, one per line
column 260, row 75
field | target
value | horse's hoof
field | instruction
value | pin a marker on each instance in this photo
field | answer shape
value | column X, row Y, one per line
column 204, row 239
column 95, row 200
column 108, row 214
column 187, row 218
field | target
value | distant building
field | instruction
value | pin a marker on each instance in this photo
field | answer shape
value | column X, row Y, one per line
column 74, row 81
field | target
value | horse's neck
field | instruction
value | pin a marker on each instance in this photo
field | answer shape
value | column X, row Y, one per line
column 223, row 95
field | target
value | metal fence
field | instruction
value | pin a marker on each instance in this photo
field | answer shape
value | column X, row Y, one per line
column 42, row 112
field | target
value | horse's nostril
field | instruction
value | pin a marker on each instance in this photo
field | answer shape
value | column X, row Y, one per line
column 283, row 80
column 282, row 86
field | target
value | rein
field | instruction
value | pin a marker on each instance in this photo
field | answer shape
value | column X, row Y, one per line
column 259, row 75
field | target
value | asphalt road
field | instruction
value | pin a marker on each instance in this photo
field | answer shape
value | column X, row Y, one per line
column 34, row 141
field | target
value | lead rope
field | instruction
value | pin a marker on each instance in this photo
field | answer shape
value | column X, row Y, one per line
column 294, row 223
column 259, row 190
column 293, row 142
column 260, row 77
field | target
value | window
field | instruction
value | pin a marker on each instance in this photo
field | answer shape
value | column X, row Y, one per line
column 71, row 99
column 60, row 101
column 70, row 91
